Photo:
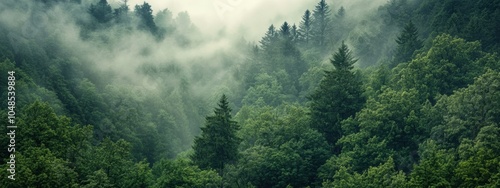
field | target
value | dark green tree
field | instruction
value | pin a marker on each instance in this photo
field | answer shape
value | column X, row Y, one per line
column 408, row 43
column 101, row 11
column 279, row 148
column 338, row 97
column 435, row 168
column 269, row 38
column 285, row 31
column 180, row 173
column 218, row 143
column 449, row 64
column 305, row 27
column 321, row 23
column 384, row 175
column 480, row 160
column 145, row 15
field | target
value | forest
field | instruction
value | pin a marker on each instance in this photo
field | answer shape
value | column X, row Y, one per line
column 393, row 93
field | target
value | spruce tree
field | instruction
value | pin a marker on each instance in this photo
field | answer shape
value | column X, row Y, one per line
column 101, row 11
column 338, row 97
column 145, row 15
column 269, row 38
column 321, row 23
column 408, row 43
column 294, row 33
column 285, row 31
column 218, row 144
column 305, row 27
column 340, row 13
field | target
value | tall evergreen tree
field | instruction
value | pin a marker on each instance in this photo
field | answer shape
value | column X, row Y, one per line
column 321, row 23
column 269, row 38
column 408, row 43
column 285, row 30
column 340, row 13
column 145, row 14
column 338, row 97
column 101, row 11
column 218, row 143
column 305, row 27
column 294, row 33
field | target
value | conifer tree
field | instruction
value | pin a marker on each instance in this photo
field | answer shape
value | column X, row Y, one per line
column 285, row 30
column 218, row 143
column 269, row 38
column 305, row 27
column 146, row 20
column 294, row 33
column 340, row 13
column 338, row 97
column 408, row 42
column 321, row 23
column 101, row 11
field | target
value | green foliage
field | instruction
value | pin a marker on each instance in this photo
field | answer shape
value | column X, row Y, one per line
column 280, row 59
column 408, row 43
column 269, row 38
column 310, row 80
column 338, row 97
column 39, row 167
column 278, row 151
column 377, row 79
column 321, row 24
column 450, row 63
column 218, row 144
column 266, row 89
column 468, row 110
column 101, row 11
column 383, row 175
column 180, row 173
column 435, row 168
column 305, row 27
column 97, row 179
column 479, row 165
column 145, row 15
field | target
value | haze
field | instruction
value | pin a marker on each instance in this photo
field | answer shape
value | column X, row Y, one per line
column 248, row 19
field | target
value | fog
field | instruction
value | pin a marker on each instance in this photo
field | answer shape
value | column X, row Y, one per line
column 250, row 19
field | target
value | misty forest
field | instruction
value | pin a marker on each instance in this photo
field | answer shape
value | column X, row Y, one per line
column 400, row 93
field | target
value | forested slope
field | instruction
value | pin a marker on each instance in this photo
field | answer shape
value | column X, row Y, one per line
column 116, row 95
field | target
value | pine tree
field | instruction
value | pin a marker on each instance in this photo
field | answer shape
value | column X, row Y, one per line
column 408, row 43
column 285, row 30
column 269, row 38
column 294, row 33
column 102, row 11
column 338, row 97
column 340, row 13
column 305, row 27
column 218, row 143
column 146, row 20
column 321, row 23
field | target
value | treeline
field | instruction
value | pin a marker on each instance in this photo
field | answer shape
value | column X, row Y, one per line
column 333, row 101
